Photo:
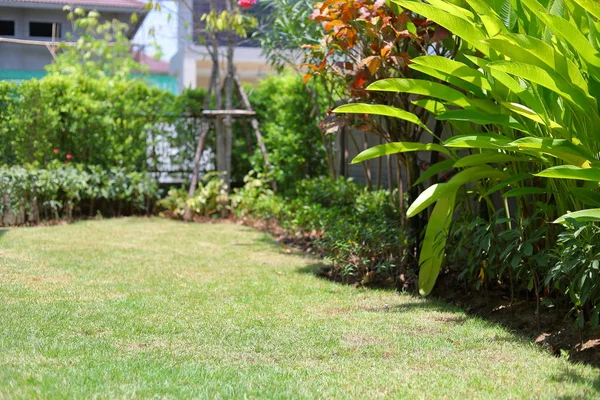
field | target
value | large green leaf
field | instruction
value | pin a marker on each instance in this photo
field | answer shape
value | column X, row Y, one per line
column 377, row 109
column 397, row 147
column 547, row 79
column 452, row 80
column 435, row 107
column 491, row 21
column 434, row 192
column 434, row 242
column 422, row 87
column 453, row 9
column 587, row 196
column 571, row 172
column 480, row 118
column 434, row 170
column 533, row 116
column 467, row 30
column 531, row 50
column 591, row 6
column 591, row 215
column 559, row 148
column 454, row 68
column 487, row 158
column 482, row 141
column 572, row 34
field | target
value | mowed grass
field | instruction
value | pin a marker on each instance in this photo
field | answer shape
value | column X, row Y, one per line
column 137, row 308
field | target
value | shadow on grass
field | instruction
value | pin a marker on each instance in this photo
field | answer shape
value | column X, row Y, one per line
column 317, row 269
column 570, row 375
column 3, row 232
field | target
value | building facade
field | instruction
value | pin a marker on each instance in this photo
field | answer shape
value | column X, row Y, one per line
column 192, row 63
column 27, row 25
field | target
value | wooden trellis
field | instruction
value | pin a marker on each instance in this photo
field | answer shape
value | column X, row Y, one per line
column 224, row 152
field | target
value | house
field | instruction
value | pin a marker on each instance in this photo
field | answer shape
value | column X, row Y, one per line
column 29, row 27
column 192, row 64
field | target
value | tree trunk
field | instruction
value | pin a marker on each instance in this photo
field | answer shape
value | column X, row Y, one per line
column 228, row 120
column 213, row 85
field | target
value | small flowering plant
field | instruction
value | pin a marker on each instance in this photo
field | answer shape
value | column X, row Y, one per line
column 246, row 3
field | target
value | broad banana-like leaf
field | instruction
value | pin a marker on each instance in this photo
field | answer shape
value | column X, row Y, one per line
column 571, row 33
column 587, row 196
column 454, row 68
column 377, row 109
column 559, row 148
column 434, row 192
column 591, row 215
column 434, row 170
column 525, row 94
column 433, row 106
column 591, row 6
column 531, row 50
column 571, row 172
column 467, row 30
column 535, row 117
column 452, row 80
column 524, row 191
column 491, row 21
column 482, row 141
column 477, row 117
column 434, row 242
column 397, row 147
column 507, row 182
column 487, row 158
column 453, row 9
column 422, row 87
column 549, row 80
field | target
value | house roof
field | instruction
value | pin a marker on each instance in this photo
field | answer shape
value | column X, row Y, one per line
column 154, row 66
column 126, row 4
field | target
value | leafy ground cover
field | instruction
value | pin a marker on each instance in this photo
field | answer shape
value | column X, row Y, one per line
column 154, row 308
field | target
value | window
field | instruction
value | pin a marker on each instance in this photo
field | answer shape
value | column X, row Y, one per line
column 7, row 28
column 44, row 29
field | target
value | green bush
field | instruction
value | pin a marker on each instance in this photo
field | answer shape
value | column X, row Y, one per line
column 55, row 192
column 289, row 113
column 576, row 271
column 210, row 199
column 102, row 122
column 356, row 230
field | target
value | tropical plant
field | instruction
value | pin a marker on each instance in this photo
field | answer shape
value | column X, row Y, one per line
column 520, row 96
column 365, row 41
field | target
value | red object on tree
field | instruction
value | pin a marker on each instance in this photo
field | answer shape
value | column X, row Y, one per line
column 55, row 151
column 246, row 3
column 69, row 156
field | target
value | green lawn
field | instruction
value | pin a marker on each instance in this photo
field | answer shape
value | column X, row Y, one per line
column 136, row 308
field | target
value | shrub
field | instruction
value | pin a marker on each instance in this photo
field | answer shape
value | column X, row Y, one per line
column 32, row 194
column 576, row 272
column 288, row 114
column 100, row 122
column 210, row 199
column 356, row 230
